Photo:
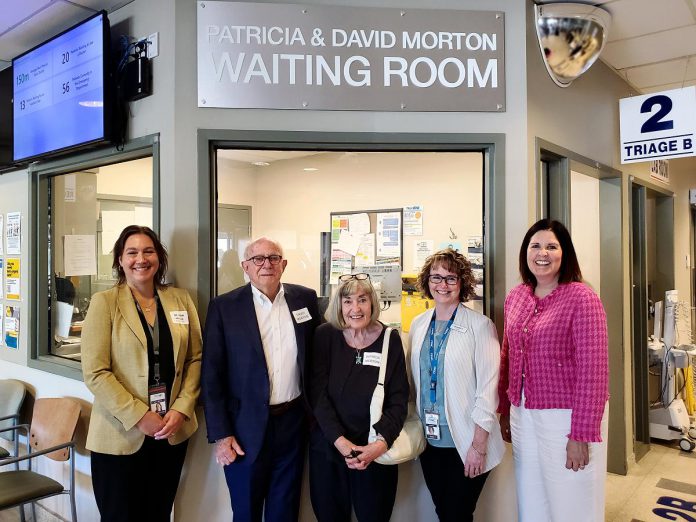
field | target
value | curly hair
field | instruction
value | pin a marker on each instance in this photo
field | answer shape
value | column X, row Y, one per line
column 454, row 262
column 120, row 246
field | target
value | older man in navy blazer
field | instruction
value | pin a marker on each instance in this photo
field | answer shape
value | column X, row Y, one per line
column 256, row 341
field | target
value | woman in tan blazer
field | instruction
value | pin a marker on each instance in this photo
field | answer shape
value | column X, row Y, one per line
column 141, row 358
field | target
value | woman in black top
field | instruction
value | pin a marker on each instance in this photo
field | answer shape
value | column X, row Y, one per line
column 347, row 356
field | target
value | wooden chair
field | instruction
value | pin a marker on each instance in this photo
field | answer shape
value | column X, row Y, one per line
column 51, row 434
column 12, row 394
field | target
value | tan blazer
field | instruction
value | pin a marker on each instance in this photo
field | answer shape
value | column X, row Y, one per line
column 115, row 368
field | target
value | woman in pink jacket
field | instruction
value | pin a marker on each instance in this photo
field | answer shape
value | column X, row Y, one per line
column 553, row 387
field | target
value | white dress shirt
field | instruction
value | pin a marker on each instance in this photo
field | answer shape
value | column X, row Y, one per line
column 279, row 345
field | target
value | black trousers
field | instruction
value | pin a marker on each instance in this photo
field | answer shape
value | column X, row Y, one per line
column 141, row 486
column 454, row 495
column 334, row 488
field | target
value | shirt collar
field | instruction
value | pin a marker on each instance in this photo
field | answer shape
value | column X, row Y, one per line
column 262, row 298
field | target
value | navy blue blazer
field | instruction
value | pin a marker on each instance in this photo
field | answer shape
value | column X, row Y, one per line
column 234, row 379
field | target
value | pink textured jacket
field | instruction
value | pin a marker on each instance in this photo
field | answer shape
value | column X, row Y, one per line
column 558, row 345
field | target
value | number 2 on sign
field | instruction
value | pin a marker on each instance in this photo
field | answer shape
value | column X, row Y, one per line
column 655, row 123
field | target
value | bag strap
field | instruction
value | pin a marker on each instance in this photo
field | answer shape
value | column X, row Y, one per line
column 385, row 354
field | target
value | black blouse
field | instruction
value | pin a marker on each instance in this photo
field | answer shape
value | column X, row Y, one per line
column 341, row 390
column 166, row 351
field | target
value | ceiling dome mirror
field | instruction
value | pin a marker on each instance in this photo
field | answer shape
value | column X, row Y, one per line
column 571, row 36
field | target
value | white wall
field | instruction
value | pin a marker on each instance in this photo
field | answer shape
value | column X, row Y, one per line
column 584, row 220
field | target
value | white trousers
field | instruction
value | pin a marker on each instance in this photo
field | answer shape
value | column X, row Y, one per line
column 546, row 490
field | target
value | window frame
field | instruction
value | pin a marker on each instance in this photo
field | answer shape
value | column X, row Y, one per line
column 491, row 145
column 38, row 353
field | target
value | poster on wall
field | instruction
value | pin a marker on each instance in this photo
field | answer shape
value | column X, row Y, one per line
column 2, row 278
column 12, row 279
column 80, row 254
column 413, row 220
column 421, row 251
column 13, row 233
column 12, row 327
column 389, row 237
column 2, row 234
column 475, row 255
column 366, row 252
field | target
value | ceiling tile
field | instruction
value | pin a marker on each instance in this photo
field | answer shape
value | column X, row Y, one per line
column 651, row 48
column 667, row 87
column 14, row 11
column 53, row 20
column 98, row 5
column 631, row 18
column 657, row 73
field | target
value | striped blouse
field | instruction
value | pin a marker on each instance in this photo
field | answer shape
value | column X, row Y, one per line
column 556, row 347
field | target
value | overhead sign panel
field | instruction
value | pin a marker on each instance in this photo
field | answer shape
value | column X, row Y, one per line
column 291, row 56
column 658, row 126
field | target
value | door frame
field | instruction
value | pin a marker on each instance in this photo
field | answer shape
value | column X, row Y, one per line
column 553, row 201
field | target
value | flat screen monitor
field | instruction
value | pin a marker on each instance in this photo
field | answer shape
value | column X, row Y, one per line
column 62, row 96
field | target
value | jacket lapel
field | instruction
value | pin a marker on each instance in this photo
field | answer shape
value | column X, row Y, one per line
column 247, row 313
column 171, row 304
column 126, row 305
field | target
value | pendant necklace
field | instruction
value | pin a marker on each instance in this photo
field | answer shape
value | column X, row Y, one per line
column 358, row 356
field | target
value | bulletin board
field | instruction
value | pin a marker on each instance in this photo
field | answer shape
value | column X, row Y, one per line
column 369, row 241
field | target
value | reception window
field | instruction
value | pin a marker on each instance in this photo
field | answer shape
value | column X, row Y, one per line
column 80, row 214
column 381, row 213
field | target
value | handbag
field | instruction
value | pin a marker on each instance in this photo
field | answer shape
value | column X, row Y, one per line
column 411, row 441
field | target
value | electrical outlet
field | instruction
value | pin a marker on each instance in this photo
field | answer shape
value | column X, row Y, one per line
column 153, row 45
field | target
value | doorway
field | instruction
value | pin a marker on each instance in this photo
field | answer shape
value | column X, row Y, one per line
column 586, row 197
column 652, row 273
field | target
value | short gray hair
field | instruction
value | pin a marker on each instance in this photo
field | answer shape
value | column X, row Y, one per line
column 251, row 245
column 334, row 312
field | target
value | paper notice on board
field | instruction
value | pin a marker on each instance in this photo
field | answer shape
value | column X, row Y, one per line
column 338, row 224
column 80, row 255
column 12, row 279
column 413, row 220
column 359, row 224
column 11, row 321
column 13, row 233
column 2, row 234
column 349, row 242
column 341, row 263
column 389, row 234
column 421, row 251
column 365, row 255
column 2, row 278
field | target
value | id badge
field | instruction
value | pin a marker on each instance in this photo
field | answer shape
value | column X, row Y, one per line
column 158, row 398
column 432, row 425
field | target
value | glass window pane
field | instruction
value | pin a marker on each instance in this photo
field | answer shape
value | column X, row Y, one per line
column 88, row 210
column 291, row 196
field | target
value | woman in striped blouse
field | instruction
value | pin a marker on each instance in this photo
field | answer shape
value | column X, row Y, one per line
column 455, row 357
column 554, row 382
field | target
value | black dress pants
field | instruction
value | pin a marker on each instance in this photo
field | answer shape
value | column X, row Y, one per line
column 454, row 494
column 141, row 486
column 334, row 488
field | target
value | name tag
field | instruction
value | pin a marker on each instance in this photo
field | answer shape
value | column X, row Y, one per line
column 302, row 315
column 372, row 359
column 459, row 328
column 179, row 317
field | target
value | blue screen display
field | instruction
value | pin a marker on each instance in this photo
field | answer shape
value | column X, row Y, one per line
column 59, row 92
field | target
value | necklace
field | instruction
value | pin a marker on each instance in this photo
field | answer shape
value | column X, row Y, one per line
column 358, row 356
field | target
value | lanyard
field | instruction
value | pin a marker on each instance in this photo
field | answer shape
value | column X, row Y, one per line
column 154, row 335
column 435, row 353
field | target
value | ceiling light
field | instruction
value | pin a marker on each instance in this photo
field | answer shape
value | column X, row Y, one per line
column 310, row 169
column 571, row 37
column 260, row 163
